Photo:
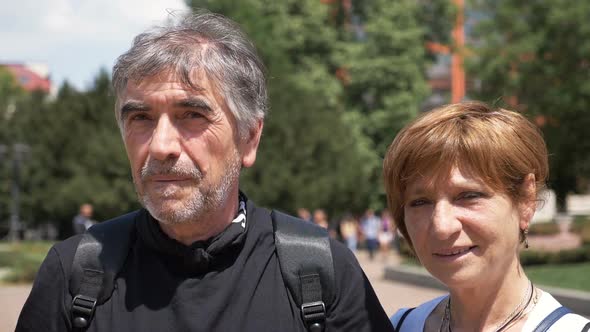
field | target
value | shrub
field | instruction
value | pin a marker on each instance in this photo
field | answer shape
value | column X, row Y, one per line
column 24, row 271
column 585, row 235
column 581, row 226
column 577, row 255
column 23, row 260
column 534, row 257
column 581, row 219
column 548, row 228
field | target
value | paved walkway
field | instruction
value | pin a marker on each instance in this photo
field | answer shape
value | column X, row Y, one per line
column 12, row 299
column 392, row 295
column 561, row 241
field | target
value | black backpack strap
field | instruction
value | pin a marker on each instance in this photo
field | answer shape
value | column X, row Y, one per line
column 398, row 328
column 307, row 267
column 551, row 319
column 586, row 328
column 100, row 255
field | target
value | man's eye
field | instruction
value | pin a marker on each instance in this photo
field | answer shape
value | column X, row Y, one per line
column 138, row 117
column 192, row 115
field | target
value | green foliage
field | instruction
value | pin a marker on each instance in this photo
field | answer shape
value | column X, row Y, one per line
column 325, row 134
column 546, row 228
column 76, row 156
column 22, row 260
column 341, row 85
column 579, row 222
column 533, row 257
column 386, row 68
column 581, row 226
column 538, row 51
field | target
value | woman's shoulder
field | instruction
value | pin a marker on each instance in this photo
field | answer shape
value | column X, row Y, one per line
column 414, row 320
column 546, row 305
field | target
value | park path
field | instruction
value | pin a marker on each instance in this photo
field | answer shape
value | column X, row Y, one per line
column 12, row 299
column 392, row 295
column 560, row 241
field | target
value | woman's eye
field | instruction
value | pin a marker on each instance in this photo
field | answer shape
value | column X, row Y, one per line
column 418, row 202
column 470, row 195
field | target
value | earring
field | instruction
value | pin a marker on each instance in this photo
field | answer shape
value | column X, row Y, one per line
column 525, row 232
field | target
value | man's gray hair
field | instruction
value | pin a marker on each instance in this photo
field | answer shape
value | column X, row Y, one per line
column 205, row 41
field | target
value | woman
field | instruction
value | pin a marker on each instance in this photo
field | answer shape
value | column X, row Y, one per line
column 462, row 183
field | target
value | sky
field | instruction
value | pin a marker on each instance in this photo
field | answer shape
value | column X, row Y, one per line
column 75, row 38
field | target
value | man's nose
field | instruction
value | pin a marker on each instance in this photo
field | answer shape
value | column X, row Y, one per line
column 165, row 140
column 444, row 221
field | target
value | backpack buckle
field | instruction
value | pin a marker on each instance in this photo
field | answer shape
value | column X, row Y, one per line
column 82, row 310
column 314, row 315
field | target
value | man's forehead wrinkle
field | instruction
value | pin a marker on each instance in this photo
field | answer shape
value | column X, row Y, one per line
column 164, row 81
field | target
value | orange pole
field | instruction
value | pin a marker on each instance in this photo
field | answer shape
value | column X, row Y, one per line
column 457, row 70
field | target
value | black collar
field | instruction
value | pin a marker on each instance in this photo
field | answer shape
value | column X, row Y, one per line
column 201, row 255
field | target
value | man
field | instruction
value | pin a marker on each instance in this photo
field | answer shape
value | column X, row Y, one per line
column 82, row 221
column 191, row 99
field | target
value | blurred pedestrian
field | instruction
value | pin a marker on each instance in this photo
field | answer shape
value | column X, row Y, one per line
column 320, row 218
column 82, row 221
column 349, row 231
column 386, row 234
column 304, row 214
column 370, row 226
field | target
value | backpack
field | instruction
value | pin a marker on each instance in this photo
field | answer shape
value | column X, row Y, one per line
column 543, row 326
column 303, row 249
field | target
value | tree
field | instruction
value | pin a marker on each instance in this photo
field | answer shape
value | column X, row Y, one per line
column 535, row 55
column 76, row 156
column 313, row 152
column 386, row 73
column 11, row 94
column 343, row 81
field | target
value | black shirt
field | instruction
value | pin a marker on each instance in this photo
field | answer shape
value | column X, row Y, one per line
column 231, row 282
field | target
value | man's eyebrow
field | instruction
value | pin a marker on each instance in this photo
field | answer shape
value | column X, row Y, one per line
column 193, row 103
column 133, row 106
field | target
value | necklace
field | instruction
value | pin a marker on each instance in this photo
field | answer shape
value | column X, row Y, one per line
column 530, row 295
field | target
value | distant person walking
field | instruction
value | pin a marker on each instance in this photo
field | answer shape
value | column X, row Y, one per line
column 386, row 234
column 320, row 218
column 304, row 214
column 349, row 231
column 83, row 220
column 370, row 226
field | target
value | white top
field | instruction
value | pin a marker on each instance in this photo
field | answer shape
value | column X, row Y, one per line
column 547, row 303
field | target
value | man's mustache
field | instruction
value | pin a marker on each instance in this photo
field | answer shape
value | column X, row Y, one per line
column 170, row 167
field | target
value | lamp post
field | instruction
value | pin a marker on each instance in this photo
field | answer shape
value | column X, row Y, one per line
column 20, row 152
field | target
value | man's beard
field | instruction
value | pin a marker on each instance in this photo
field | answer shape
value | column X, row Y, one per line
column 203, row 199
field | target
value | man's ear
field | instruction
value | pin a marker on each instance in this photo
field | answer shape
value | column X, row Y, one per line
column 249, row 145
column 528, row 204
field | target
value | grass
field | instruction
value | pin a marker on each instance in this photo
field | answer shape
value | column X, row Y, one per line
column 22, row 260
column 573, row 276
column 568, row 276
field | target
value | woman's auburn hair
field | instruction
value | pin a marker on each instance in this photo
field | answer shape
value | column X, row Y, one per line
column 500, row 146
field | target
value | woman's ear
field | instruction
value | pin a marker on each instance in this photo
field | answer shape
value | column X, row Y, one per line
column 528, row 203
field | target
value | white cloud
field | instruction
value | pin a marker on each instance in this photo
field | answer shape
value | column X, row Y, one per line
column 76, row 38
